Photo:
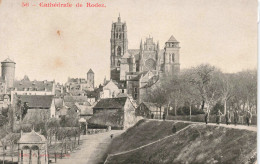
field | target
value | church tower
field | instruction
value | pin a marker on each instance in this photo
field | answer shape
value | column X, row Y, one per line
column 171, row 56
column 91, row 78
column 119, row 45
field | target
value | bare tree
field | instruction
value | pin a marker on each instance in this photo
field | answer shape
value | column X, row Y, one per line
column 205, row 79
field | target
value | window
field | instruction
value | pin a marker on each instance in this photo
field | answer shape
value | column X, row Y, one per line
column 118, row 51
column 123, row 90
column 173, row 57
column 135, row 89
column 135, row 95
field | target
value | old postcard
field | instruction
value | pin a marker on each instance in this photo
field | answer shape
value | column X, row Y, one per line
column 133, row 81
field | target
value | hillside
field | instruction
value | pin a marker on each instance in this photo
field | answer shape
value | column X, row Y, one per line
column 144, row 132
column 198, row 143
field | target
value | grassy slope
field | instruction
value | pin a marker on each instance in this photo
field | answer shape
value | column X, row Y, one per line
column 144, row 132
column 197, row 144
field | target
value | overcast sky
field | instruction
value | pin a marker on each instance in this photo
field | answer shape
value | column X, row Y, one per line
column 57, row 43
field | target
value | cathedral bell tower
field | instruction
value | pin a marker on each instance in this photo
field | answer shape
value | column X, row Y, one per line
column 119, row 45
column 171, row 56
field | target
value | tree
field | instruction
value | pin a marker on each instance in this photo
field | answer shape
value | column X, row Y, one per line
column 24, row 109
column 205, row 79
column 244, row 95
column 158, row 96
column 53, row 126
column 226, row 89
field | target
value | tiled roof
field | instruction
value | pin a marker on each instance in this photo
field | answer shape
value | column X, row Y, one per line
column 150, row 106
column 33, row 85
column 36, row 101
column 75, row 99
column 111, row 103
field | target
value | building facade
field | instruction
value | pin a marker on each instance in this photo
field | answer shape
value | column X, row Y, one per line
column 130, row 67
column 79, row 86
column 8, row 72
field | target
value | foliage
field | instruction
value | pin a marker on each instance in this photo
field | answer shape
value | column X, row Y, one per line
column 3, row 120
column 207, row 88
column 217, row 107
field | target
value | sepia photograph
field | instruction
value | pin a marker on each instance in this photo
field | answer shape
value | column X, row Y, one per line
column 128, row 82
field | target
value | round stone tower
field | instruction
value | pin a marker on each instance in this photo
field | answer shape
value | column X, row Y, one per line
column 8, row 72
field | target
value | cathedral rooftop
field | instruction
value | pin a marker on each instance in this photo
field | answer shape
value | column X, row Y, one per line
column 172, row 39
column 90, row 71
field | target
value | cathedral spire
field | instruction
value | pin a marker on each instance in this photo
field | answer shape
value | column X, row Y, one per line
column 141, row 45
column 119, row 18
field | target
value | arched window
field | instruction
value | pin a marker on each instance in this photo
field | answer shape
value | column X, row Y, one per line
column 173, row 55
column 119, row 36
column 118, row 51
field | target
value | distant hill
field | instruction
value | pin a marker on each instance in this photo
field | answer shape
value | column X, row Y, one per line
column 197, row 143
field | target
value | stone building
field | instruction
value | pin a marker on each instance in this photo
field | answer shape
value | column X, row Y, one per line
column 129, row 66
column 79, row 86
column 8, row 72
column 37, row 105
column 32, row 148
column 7, row 76
column 28, row 87
column 146, row 110
column 119, row 113
column 35, row 87
column 111, row 90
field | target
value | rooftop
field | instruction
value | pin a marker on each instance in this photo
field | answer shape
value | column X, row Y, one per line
column 26, row 84
column 111, row 103
column 8, row 60
column 90, row 71
column 172, row 39
column 32, row 137
column 36, row 101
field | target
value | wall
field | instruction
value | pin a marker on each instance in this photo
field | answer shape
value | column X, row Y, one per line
column 212, row 119
column 103, row 118
column 129, row 114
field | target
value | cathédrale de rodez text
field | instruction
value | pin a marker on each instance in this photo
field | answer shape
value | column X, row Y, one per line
column 64, row 5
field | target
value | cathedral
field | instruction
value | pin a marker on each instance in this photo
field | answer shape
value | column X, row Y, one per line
column 134, row 69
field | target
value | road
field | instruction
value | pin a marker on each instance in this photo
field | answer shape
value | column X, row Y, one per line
column 250, row 128
column 92, row 149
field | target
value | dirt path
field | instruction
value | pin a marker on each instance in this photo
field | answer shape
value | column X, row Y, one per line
column 92, row 149
column 250, row 128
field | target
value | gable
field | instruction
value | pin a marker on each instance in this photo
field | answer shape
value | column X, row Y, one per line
column 110, row 86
